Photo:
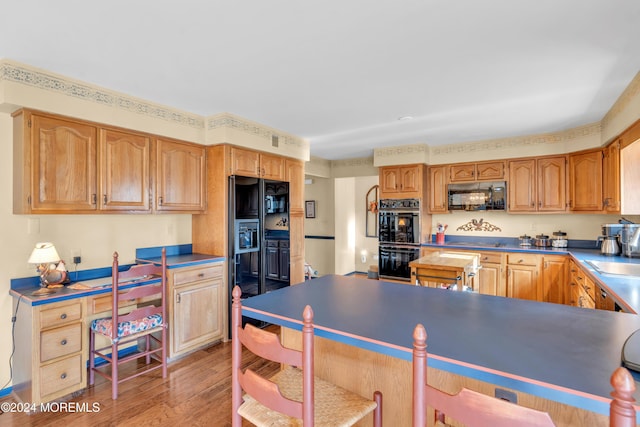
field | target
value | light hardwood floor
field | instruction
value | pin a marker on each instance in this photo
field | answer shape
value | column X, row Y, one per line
column 196, row 392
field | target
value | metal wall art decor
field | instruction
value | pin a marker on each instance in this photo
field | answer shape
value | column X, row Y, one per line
column 478, row 225
column 371, row 223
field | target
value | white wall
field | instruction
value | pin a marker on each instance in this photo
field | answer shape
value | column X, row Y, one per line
column 319, row 252
column 345, row 225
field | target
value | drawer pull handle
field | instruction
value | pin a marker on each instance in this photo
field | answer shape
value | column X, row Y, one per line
column 63, row 316
column 63, row 376
column 63, row 342
column 201, row 275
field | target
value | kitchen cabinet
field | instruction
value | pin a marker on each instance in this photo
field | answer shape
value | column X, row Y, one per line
column 611, row 177
column 490, row 279
column 630, row 178
column 537, row 185
column 484, row 171
column 581, row 289
column 196, row 308
column 438, row 196
column 124, row 171
column 257, row 164
column 402, row 181
column 522, row 276
column 585, row 167
column 50, row 351
column 295, row 178
column 554, row 278
column 55, row 161
column 603, row 300
column 180, row 176
column 277, row 260
column 64, row 165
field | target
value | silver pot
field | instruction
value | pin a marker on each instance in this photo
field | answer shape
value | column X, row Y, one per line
column 610, row 246
column 525, row 240
column 542, row 241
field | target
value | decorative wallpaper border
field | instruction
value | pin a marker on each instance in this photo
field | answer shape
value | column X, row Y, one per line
column 51, row 82
column 228, row 120
column 519, row 141
column 401, row 150
column 355, row 162
column 631, row 92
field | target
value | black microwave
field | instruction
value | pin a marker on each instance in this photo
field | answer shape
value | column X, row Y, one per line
column 477, row 196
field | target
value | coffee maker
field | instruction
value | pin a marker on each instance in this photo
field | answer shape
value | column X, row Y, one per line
column 630, row 240
column 610, row 239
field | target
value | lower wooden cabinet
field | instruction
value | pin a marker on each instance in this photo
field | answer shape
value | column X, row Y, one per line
column 277, row 263
column 196, row 307
column 50, row 351
column 554, row 278
column 491, row 278
column 522, row 276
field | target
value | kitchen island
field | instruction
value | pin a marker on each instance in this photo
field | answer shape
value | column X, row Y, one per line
column 552, row 357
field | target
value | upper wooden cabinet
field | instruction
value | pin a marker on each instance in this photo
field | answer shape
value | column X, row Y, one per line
column 64, row 165
column 438, row 189
column 180, row 176
column 124, row 171
column 585, row 181
column 257, row 164
column 54, row 164
column 469, row 172
column 537, row 185
column 406, row 181
column 611, row 177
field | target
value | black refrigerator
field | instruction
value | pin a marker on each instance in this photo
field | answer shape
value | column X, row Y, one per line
column 258, row 235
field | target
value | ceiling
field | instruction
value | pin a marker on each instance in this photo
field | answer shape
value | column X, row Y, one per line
column 340, row 73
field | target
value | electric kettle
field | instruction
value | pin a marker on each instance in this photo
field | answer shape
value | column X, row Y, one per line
column 610, row 246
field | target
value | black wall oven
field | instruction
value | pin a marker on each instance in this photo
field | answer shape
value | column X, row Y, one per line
column 399, row 237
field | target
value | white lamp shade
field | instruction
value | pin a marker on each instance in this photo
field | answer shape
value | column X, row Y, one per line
column 44, row 253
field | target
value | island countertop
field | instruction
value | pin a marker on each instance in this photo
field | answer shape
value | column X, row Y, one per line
column 561, row 353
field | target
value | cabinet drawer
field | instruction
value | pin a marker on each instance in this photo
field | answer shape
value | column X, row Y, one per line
column 182, row 277
column 272, row 243
column 60, row 375
column 590, row 288
column 60, row 341
column 490, row 258
column 522, row 259
column 104, row 303
column 284, row 243
column 50, row 317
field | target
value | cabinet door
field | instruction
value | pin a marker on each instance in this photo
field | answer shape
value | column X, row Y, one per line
column 63, row 165
column 490, row 171
column 462, row 172
column 124, row 171
column 522, row 282
column 197, row 317
column 611, row 177
column 272, row 167
column 522, row 185
column 295, row 177
column 284, row 261
column 410, row 178
column 245, row 162
column 438, row 189
column 488, row 279
column 585, row 168
column 551, row 183
column 389, row 180
column 554, row 279
column 180, row 172
column 272, row 260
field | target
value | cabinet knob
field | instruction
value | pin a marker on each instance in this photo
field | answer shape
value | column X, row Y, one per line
column 94, row 199
column 200, row 274
column 160, row 201
column 63, row 342
column 104, row 199
column 63, row 376
column 63, row 316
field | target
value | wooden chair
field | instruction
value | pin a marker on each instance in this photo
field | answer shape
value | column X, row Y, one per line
column 293, row 394
column 622, row 413
column 468, row 407
column 147, row 318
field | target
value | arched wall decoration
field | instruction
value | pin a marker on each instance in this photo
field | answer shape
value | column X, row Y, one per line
column 371, row 223
column 478, row 225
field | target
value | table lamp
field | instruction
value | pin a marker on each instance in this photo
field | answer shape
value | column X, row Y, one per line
column 44, row 255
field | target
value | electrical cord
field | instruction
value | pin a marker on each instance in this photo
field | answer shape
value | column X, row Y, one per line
column 13, row 343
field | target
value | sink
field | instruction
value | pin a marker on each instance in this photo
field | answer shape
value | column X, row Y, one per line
column 608, row 267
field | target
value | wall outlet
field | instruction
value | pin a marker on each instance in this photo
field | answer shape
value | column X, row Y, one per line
column 77, row 259
column 363, row 259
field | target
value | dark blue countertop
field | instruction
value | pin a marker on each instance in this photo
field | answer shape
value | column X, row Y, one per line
column 562, row 353
column 625, row 290
column 177, row 257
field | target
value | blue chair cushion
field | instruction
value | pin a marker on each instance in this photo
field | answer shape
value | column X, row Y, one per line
column 104, row 326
